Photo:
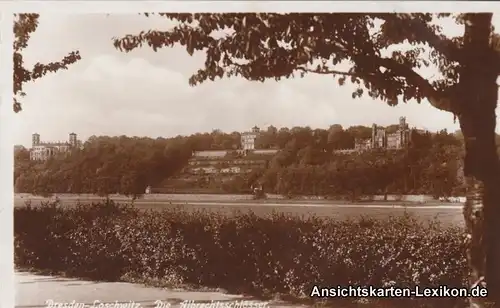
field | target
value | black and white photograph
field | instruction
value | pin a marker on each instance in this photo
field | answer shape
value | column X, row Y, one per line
column 234, row 154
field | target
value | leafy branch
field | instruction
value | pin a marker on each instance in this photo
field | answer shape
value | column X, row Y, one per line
column 24, row 26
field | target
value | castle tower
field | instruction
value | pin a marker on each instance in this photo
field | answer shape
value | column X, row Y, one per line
column 403, row 132
column 374, row 134
column 402, row 123
column 35, row 139
column 384, row 138
column 72, row 139
column 255, row 129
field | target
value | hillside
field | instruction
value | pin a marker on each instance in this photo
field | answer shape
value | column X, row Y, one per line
column 299, row 160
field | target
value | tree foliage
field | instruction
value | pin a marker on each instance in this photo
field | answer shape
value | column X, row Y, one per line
column 24, row 26
column 105, row 165
column 275, row 46
column 313, row 166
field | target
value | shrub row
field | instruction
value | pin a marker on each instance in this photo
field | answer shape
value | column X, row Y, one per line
column 243, row 252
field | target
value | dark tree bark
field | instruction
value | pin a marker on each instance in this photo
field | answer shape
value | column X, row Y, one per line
column 476, row 104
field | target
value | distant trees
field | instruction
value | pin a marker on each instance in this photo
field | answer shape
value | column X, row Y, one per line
column 431, row 170
column 105, row 165
column 338, row 138
column 306, row 164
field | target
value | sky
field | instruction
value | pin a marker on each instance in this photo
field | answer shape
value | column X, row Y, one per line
column 146, row 93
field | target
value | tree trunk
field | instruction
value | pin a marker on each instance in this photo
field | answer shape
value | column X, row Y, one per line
column 476, row 102
column 481, row 216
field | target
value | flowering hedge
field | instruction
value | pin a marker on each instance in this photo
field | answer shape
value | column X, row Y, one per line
column 242, row 252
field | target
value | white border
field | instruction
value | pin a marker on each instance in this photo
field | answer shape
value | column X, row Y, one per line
column 7, row 296
column 82, row 7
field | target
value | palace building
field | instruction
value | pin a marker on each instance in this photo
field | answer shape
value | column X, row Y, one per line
column 381, row 139
column 44, row 150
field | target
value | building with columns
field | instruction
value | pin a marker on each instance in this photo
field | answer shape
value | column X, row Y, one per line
column 44, row 150
column 248, row 138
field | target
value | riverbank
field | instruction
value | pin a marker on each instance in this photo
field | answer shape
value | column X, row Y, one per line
column 393, row 199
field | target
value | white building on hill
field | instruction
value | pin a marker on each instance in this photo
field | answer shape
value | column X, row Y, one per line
column 43, row 150
column 248, row 139
column 247, row 144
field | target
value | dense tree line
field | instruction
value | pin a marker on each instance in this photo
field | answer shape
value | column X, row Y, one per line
column 306, row 164
column 105, row 165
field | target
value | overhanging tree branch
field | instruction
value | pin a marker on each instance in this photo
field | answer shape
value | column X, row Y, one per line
column 24, row 26
column 273, row 46
column 423, row 32
column 327, row 72
column 438, row 100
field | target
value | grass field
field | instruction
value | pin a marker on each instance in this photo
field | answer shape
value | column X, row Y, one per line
column 445, row 213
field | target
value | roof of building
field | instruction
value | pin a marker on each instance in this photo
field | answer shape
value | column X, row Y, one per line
column 53, row 144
